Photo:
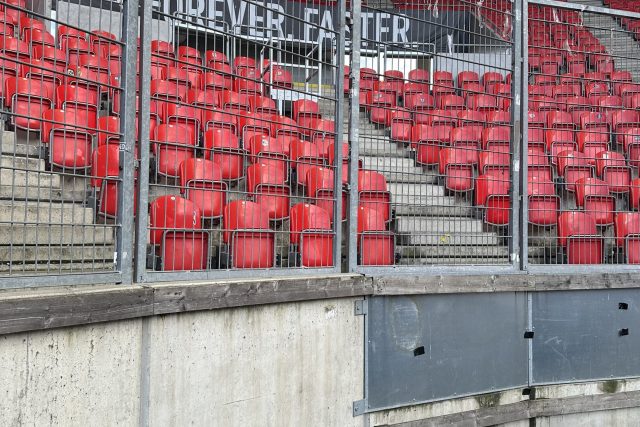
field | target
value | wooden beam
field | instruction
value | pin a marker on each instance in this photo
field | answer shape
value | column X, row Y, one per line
column 405, row 285
column 529, row 409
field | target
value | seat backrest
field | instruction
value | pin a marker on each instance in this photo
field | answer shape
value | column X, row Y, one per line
column 172, row 212
column 199, row 170
column 304, row 217
column 575, row 223
column 243, row 215
column 626, row 223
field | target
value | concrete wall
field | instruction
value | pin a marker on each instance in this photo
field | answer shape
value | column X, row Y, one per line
column 276, row 365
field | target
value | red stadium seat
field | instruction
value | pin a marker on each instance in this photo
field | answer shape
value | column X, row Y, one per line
column 373, row 192
column 498, row 118
column 173, row 144
column 612, row 167
column 376, row 245
column 497, row 139
column 573, row 165
column 105, row 169
column 234, row 101
column 201, row 182
column 319, row 183
column 465, row 77
column 252, row 124
column 248, row 81
column 622, row 120
column 224, row 149
column 304, row 155
column 246, row 232
column 592, row 195
column 173, row 224
column 492, row 193
column 627, row 230
column 311, row 235
column 544, row 204
column 263, row 104
column 401, row 123
column 219, row 119
column 494, row 163
column 482, row 102
column 419, row 75
column 267, row 185
column 560, row 120
column 203, row 98
column 211, row 57
column 182, row 114
column 456, row 166
column 27, row 99
column 451, row 102
column 264, row 149
column 428, row 141
column 381, row 104
column 577, row 233
column 559, row 140
column 215, row 82
column 278, row 77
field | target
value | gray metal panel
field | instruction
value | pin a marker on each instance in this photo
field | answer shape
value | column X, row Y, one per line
column 472, row 343
column 577, row 335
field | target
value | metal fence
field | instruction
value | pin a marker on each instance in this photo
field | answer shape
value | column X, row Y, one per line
column 378, row 137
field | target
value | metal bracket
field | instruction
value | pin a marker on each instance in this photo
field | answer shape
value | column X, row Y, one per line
column 359, row 407
column 361, row 307
column 528, row 335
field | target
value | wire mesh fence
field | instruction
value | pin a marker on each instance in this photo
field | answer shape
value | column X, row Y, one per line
column 261, row 139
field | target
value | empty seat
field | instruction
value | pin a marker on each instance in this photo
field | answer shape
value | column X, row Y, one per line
column 219, row 119
column 320, row 185
column 248, row 81
column 376, row 245
column 482, row 102
column 456, row 166
column 278, row 77
column 612, row 167
column 268, row 150
column 304, row 155
column 492, row 193
column 27, row 99
column 267, row 185
column 622, row 120
column 251, row 124
column 234, row 101
column 173, row 144
column 374, row 193
column 174, row 227
column 250, row 242
column 211, row 57
column 222, row 146
column 578, row 235
column 497, row 139
column 559, row 140
column 401, row 123
column 560, row 120
column 467, row 77
column 262, row 104
column 419, row 75
column 498, row 118
column 381, row 104
column 428, row 141
column 451, row 102
column 627, row 230
column 182, row 114
column 243, row 62
column 544, row 203
column 105, row 170
column 572, row 166
column 201, row 182
column 592, row 195
column 494, row 163
column 214, row 82
column 311, row 235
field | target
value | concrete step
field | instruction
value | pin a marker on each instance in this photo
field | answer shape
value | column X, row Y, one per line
column 29, row 178
column 16, row 146
column 27, row 163
column 18, row 268
column 452, row 261
column 42, row 194
column 438, row 231
column 44, row 254
column 54, row 235
column 434, row 252
column 44, row 213
column 445, row 208
column 404, row 193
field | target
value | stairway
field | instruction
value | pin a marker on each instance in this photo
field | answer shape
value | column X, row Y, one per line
column 432, row 227
column 45, row 226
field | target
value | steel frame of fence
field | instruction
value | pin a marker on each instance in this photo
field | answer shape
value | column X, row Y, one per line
column 132, row 245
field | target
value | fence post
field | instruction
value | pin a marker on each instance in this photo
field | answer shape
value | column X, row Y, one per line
column 354, row 115
column 524, row 98
column 516, row 135
column 124, row 238
column 337, row 146
column 142, row 230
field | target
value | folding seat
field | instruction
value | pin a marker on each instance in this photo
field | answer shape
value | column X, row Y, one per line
column 319, row 186
column 492, row 193
column 612, row 167
column 536, row 138
column 482, row 102
column 451, row 102
column 627, row 230
column 545, row 80
column 262, row 104
column 164, row 92
column 100, row 65
column 68, row 134
column 419, row 75
column 188, row 52
column 551, row 63
column 8, row 25
column 219, row 119
column 631, row 146
column 105, row 170
column 619, row 78
column 182, row 78
column 395, row 79
column 566, row 91
column 428, row 141
column 311, row 235
column 627, row 91
column 471, row 88
column 285, row 126
column 596, row 88
column 108, row 130
column 491, row 77
column 225, row 71
column 305, row 113
column 100, row 39
column 248, row 81
column 304, row 155
column 331, row 156
column 234, row 101
column 74, row 47
column 578, row 235
column 572, row 79
column 594, row 121
column 540, row 90
column 604, row 65
column 250, row 242
column 542, row 103
column 559, row 140
column 419, row 101
column 414, row 88
column 183, row 114
column 27, row 99
column 172, row 144
column 456, row 166
column 278, row 77
column 438, row 117
column 212, row 57
column 576, row 63
column 43, row 71
column 439, row 91
column 401, row 123
column 443, row 78
column 467, row 77
column 498, row 118
column 162, row 52
column 607, row 103
column 497, row 139
column 13, row 48
column 222, row 146
column 267, row 185
column 269, row 151
column 34, row 37
column 368, row 77
column 376, row 246
column 501, row 89
column 381, row 105
column 536, row 119
column 560, row 120
column 251, row 124
column 591, row 143
column 544, row 204
column 323, row 133
column 204, row 99
column 621, row 120
column 78, row 98
column 387, row 87
column 373, row 192
column 494, row 163
column 573, row 165
column 592, row 195
column 175, row 224
column 576, row 106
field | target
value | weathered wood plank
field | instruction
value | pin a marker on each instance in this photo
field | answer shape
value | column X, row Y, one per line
column 46, row 308
column 528, row 409
column 403, row 285
column 173, row 298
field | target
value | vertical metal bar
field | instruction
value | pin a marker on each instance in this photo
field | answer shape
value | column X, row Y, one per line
column 530, row 327
column 354, row 115
column 516, row 137
column 524, row 98
column 142, row 230
column 127, row 146
column 337, row 146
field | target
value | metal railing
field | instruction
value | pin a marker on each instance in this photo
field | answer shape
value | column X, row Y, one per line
column 419, row 157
